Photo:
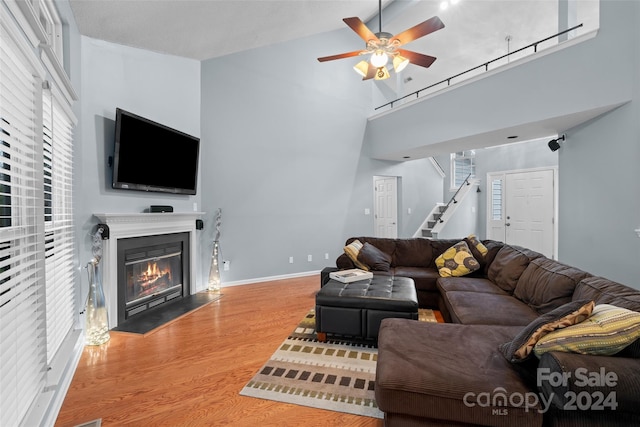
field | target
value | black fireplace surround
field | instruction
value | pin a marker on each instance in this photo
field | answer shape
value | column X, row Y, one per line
column 153, row 271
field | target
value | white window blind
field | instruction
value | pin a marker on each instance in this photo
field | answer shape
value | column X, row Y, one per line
column 22, row 294
column 58, row 215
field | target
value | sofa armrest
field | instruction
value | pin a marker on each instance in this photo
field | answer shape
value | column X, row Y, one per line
column 344, row 262
column 577, row 381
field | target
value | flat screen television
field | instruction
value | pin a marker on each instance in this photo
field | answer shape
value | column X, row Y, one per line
column 149, row 156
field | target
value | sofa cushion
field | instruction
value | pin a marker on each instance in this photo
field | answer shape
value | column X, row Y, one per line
column 605, row 291
column 493, row 247
column 457, row 261
column 424, row 278
column 412, row 253
column 521, row 347
column 508, row 265
column 352, row 250
column 477, row 308
column 435, row 371
column 607, row 331
column 374, row 258
column 546, row 284
column 468, row 284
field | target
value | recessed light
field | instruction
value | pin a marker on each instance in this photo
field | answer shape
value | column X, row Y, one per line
column 512, row 137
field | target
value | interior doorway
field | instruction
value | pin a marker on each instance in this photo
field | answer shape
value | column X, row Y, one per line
column 522, row 207
column 385, row 206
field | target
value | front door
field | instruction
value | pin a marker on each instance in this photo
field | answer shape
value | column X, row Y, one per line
column 385, row 207
column 522, row 209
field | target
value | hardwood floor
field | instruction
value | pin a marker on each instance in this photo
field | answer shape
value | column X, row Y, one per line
column 189, row 373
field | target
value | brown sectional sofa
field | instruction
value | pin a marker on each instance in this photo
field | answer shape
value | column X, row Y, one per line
column 455, row 373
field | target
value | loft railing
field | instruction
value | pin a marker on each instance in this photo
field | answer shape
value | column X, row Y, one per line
column 485, row 65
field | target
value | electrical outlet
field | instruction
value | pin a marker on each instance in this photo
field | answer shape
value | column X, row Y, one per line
column 290, row 260
column 326, row 256
column 226, row 265
column 309, row 258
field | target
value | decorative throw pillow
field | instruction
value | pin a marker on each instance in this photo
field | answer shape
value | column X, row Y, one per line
column 352, row 250
column 374, row 258
column 478, row 250
column 457, row 261
column 607, row 331
column 521, row 347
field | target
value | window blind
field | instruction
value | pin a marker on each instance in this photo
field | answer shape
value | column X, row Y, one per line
column 22, row 296
column 58, row 215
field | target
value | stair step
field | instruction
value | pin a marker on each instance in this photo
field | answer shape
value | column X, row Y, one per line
column 431, row 224
column 442, row 209
column 427, row 233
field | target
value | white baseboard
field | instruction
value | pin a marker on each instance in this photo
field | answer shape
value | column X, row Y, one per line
column 269, row 278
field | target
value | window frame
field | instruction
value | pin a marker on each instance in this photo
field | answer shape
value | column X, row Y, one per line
column 456, row 158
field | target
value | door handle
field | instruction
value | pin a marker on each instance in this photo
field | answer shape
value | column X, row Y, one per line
column 508, row 224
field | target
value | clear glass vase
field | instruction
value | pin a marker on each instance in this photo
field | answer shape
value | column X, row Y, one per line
column 214, row 272
column 97, row 318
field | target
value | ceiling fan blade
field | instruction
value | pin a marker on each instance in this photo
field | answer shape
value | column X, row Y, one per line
column 417, row 58
column 359, row 27
column 420, row 30
column 340, row 56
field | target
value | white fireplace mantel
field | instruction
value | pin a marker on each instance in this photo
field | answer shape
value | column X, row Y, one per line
column 125, row 225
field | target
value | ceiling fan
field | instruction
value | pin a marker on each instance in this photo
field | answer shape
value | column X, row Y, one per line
column 384, row 46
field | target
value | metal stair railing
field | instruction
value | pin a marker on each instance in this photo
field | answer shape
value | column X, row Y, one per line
column 453, row 199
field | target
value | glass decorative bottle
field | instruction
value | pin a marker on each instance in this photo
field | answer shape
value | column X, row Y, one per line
column 214, row 271
column 97, row 319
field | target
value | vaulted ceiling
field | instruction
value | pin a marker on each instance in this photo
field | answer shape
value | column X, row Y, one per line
column 475, row 30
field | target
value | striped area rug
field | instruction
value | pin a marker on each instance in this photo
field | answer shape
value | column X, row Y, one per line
column 335, row 375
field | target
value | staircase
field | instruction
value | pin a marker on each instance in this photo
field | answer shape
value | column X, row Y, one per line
column 441, row 213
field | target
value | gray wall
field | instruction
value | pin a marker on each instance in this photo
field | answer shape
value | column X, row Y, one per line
column 599, row 174
column 283, row 157
column 160, row 87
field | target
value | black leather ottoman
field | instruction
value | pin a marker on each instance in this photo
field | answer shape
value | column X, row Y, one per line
column 357, row 308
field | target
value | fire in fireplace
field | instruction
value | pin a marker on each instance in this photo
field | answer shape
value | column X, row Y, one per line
column 152, row 271
column 153, row 276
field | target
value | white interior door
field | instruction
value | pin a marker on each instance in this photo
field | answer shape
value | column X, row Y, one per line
column 521, row 209
column 386, row 207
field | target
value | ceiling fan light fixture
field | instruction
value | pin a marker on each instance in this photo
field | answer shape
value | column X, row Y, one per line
column 382, row 73
column 362, row 68
column 400, row 63
column 379, row 59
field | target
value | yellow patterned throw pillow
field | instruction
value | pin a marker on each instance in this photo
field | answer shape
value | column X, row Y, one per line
column 352, row 250
column 477, row 245
column 457, row 261
column 607, row 331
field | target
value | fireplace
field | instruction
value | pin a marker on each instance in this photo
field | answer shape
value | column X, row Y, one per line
column 124, row 228
column 152, row 271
